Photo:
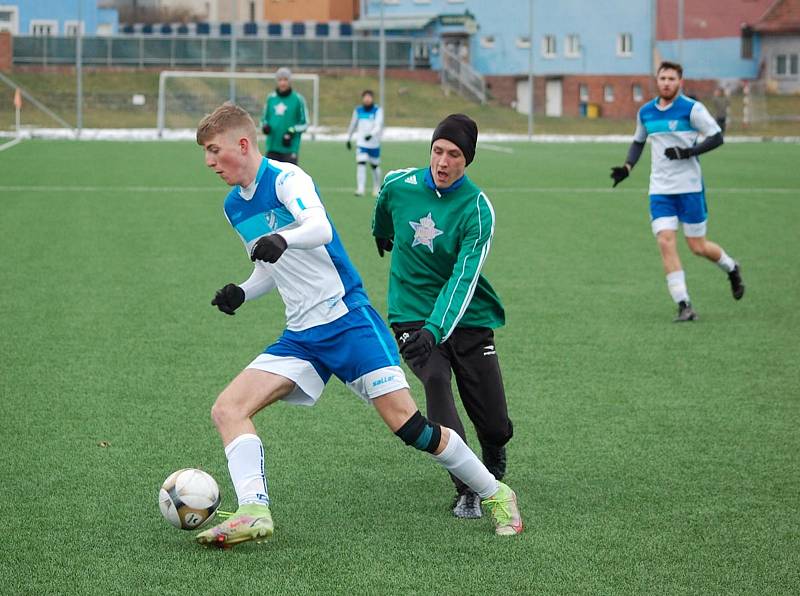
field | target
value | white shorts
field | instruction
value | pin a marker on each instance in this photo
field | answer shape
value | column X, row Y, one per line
column 690, row 230
column 310, row 385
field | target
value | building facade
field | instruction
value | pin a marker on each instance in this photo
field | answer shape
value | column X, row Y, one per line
column 601, row 54
column 779, row 33
column 56, row 17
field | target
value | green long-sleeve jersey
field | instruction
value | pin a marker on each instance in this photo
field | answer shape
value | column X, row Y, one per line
column 282, row 113
column 441, row 241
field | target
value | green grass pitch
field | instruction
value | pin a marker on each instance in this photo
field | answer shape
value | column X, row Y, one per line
column 650, row 458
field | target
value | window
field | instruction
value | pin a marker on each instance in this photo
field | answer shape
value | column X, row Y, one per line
column 608, row 93
column 572, row 48
column 42, row 27
column 786, row 65
column 747, row 43
column 549, row 46
column 9, row 19
column 523, row 42
column 624, row 44
column 71, row 28
column 583, row 92
column 636, row 92
column 487, row 41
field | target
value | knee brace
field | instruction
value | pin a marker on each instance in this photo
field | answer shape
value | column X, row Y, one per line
column 421, row 433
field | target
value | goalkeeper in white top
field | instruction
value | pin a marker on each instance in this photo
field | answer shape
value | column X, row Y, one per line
column 331, row 329
column 674, row 124
column 367, row 124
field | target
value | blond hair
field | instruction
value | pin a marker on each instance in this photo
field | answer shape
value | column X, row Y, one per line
column 228, row 117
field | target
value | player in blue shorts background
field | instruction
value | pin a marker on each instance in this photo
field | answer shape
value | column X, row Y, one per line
column 677, row 193
column 331, row 329
column 367, row 124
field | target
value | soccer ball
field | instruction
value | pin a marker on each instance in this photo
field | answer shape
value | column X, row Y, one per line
column 188, row 498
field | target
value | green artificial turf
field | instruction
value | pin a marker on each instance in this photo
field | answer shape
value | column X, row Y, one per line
column 649, row 457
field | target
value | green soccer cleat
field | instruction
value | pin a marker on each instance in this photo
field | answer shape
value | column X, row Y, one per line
column 250, row 522
column 504, row 510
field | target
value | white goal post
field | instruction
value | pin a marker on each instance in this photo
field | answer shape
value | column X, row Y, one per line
column 232, row 77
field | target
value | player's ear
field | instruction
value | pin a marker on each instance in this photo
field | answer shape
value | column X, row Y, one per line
column 244, row 145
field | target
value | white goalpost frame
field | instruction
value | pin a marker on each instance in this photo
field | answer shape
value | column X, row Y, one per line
column 199, row 74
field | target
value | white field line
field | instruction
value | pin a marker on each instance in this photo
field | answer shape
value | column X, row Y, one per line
column 496, row 148
column 10, row 144
column 489, row 189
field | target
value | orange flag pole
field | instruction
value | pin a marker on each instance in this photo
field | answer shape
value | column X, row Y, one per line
column 18, row 106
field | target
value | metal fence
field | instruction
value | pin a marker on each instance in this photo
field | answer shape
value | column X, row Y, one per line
column 202, row 52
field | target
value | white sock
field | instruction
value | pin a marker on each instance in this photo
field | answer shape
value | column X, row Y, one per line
column 376, row 177
column 726, row 263
column 361, row 176
column 462, row 463
column 246, row 465
column 676, row 283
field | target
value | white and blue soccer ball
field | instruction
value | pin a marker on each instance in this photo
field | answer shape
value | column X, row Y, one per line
column 189, row 498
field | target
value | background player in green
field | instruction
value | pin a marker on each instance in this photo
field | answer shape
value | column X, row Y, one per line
column 284, row 119
column 441, row 308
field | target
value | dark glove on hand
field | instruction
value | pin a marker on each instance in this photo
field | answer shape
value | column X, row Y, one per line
column 619, row 174
column 678, row 153
column 384, row 245
column 268, row 248
column 417, row 349
column 228, row 299
column 266, row 129
column 286, row 140
column 349, row 145
column 367, row 137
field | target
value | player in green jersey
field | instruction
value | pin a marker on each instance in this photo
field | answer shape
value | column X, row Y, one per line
column 439, row 226
column 284, row 119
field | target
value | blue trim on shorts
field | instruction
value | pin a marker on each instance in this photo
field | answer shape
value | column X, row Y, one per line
column 372, row 152
column 349, row 347
column 688, row 207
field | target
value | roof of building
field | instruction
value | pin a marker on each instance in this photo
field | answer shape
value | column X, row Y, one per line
column 781, row 18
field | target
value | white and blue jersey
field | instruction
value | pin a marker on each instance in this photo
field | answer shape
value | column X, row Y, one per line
column 677, row 125
column 331, row 328
column 318, row 285
column 367, row 122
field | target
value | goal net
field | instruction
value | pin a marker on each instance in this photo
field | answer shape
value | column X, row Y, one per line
column 185, row 96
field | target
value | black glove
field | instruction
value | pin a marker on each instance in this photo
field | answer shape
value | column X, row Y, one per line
column 228, row 299
column 384, row 245
column 266, row 129
column 349, row 145
column 268, row 248
column 367, row 137
column 619, row 173
column 678, row 153
column 417, row 349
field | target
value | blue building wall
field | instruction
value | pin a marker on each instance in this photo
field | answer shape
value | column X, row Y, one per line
column 596, row 23
column 62, row 11
column 712, row 58
column 507, row 21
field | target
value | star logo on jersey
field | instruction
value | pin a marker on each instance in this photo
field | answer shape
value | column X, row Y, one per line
column 280, row 109
column 673, row 125
column 411, row 179
column 425, row 231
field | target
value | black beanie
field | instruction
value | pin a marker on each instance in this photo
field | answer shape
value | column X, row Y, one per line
column 461, row 130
